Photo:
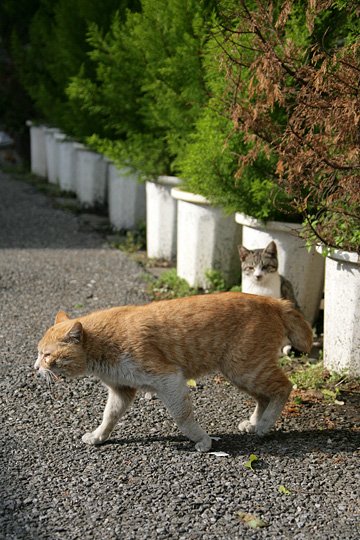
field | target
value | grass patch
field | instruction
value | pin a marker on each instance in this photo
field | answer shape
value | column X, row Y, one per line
column 170, row 285
column 132, row 241
column 216, row 282
column 314, row 377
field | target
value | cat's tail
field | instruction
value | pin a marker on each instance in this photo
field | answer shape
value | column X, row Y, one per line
column 298, row 330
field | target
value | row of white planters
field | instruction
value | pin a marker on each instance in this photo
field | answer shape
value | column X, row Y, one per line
column 185, row 227
column 88, row 174
column 206, row 238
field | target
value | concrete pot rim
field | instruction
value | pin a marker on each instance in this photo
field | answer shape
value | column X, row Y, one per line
column 187, row 196
column 83, row 148
column 78, row 145
column 34, row 124
column 125, row 173
column 165, row 180
column 51, row 130
column 60, row 137
column 280, row 226
column 340, row 255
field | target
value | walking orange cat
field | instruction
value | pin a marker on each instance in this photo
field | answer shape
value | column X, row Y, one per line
column 157, row 347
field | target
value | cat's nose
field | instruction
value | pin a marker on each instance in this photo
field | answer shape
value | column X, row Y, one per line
column 258, row 277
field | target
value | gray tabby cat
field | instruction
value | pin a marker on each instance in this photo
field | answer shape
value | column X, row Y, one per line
column 260, row 274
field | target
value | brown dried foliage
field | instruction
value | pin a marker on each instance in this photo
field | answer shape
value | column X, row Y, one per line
column 316, row 137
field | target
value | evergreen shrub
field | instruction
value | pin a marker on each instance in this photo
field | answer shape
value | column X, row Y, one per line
column 58, row 50
column 148, row 88
column 209, row 164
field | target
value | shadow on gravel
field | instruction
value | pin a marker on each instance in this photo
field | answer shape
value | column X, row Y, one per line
column 294, row 444
column 29, row 220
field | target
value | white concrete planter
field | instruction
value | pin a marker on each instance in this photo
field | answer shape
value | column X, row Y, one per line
column 91, row 176
column 342, row 312
column 51, row 154
column 207, row 240
column 126, row 196
column 304, row 269
column 161, row 218
column 37, row 150
column 66, row 163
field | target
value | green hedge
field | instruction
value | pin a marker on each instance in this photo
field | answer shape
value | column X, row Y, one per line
column 57, row 50
column 148, row 88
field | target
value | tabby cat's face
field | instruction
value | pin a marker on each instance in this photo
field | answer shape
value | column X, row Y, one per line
column 259, row 264
column 60, row 352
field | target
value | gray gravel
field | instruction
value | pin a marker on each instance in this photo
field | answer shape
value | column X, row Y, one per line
column 147, row 482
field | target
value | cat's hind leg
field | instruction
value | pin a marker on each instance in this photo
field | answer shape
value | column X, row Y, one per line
column 249, row 426
column 274, row 408
column 119, row 400
column 271, row 389
column 174, row 393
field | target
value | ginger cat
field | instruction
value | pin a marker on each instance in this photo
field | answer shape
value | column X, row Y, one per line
column 158, row 346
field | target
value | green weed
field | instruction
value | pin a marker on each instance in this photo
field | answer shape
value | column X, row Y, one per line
column 315, row 377
column 215, row 280
column 132, row 241
column 170, row 285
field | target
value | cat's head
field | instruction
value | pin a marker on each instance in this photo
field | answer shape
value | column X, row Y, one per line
column 258, row 264
column 60, row 351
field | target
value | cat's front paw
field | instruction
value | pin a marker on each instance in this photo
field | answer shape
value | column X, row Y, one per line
column 204, row 445
column 247, row 427
column 91, row 438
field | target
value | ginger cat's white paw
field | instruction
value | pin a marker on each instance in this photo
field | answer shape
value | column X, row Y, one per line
column 91, row 438
column 204, row 445
column 247, row 427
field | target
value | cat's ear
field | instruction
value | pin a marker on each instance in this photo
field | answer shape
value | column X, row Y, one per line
column 243, row 252
column 271, row 249
column 61, row 316
column 75, row 333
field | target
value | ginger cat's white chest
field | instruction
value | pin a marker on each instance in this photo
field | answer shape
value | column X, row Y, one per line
column 269, row 285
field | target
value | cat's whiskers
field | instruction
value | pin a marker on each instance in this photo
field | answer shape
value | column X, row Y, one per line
column 50, row 379
column 49, row 375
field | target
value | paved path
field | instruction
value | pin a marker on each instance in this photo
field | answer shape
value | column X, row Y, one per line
column 147, row 483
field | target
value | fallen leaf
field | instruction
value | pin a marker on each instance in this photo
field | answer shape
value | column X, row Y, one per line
column 252, row 459
column 219, row 379
column 219, row 454
column 284, row 490
column 191, row 383
column 329, row 394
column 251, row 520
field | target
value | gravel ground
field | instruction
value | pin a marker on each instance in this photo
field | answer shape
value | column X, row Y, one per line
column 147, row 482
